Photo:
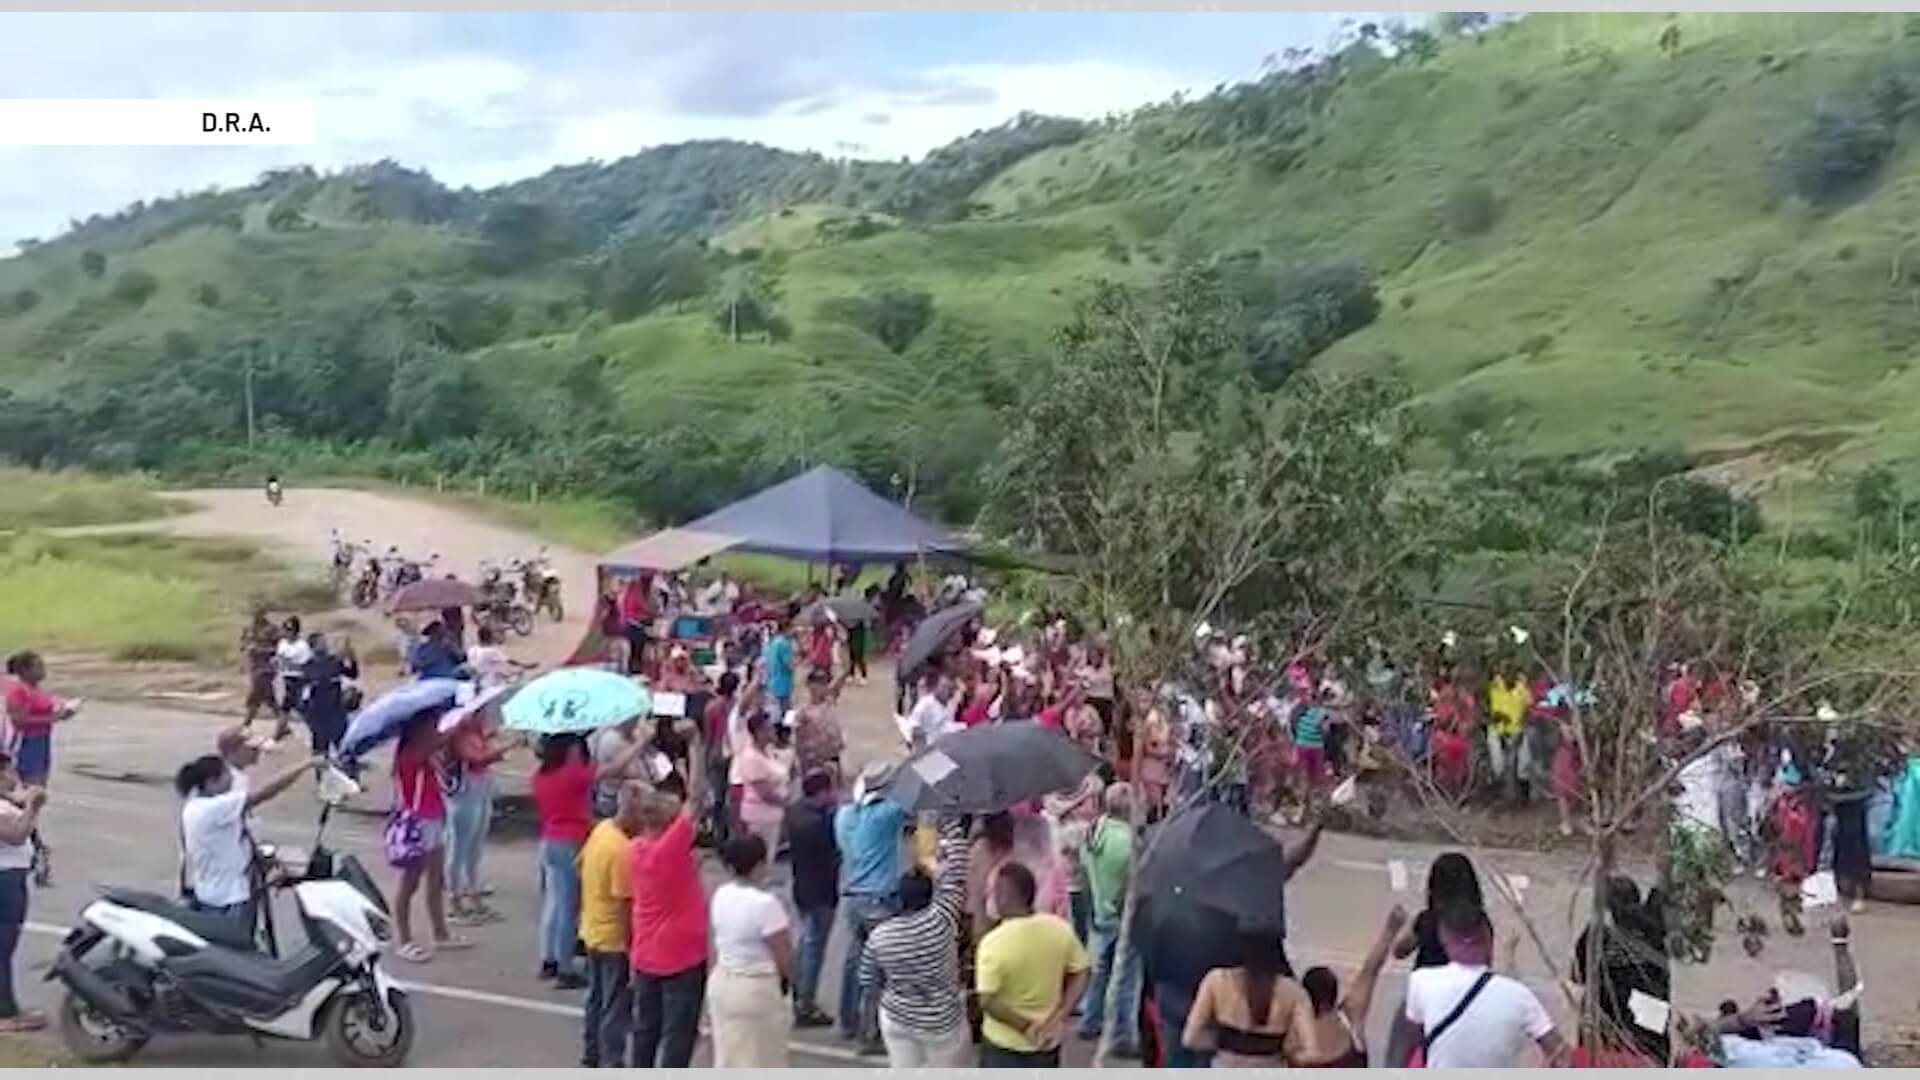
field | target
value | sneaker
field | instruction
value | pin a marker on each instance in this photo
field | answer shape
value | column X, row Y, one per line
column 1857, row 906
column 570, row 981
column 549, row 970
column 811, row 1017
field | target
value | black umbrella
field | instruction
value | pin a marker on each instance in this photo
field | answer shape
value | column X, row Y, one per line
column 932, row 635
column 847, row 610
column 987, row 769
column 1212, row 856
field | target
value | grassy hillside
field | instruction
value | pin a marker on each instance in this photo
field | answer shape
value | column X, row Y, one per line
column 1586, row 233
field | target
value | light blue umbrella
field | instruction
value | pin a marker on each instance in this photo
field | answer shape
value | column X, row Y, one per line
column 574, row 700
column 386, row 715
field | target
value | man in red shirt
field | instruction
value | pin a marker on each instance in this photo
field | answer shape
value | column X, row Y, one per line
column 668, row 945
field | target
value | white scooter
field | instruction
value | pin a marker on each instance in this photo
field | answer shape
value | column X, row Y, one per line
column 140, row 965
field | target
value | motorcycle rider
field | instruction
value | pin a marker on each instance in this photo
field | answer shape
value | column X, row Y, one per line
column 273, row 488
column 213, row 832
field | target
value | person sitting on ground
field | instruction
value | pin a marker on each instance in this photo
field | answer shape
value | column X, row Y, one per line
column 1340, row 1019
column 1253, row 1015
column 1795, row 1024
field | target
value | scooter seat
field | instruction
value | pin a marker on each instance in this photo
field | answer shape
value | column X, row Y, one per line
column 214, row 929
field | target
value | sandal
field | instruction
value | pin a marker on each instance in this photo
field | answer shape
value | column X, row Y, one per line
column 24, row 1021
column 414, row 953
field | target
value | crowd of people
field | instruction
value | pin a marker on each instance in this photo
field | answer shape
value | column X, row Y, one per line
column 994, row 939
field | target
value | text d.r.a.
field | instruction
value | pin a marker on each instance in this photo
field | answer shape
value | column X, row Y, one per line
column 233, row 123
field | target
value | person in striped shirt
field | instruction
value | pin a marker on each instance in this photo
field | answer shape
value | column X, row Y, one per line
column 913, row 962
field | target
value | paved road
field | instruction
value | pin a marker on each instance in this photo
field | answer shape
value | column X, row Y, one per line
column 113, row 812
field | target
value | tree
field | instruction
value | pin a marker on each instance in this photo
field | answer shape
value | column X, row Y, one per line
column 206, row 295
column 93, row 264
column 896, row 316
column 683, row 275
column 516, row 236
column 135, row 287
column 436, row 397
column 22, row 301
column 1179, row 502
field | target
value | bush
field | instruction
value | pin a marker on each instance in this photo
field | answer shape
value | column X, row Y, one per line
column 895, row 316
column 1840, row 150
column 93, row 264
column 21, row 302
column 1472, row 209
column 206, row 296
column 135, row 287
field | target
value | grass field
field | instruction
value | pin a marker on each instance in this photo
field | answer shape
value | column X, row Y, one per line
column 140, row 596
column 55, row 500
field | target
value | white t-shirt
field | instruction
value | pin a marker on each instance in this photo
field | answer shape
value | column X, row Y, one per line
column 490, row 666
column 218, row 855
column 1698, row 803
column 743, row 917
column 292, row 655
column 931, row 718
column 14, row 856
column 1494, row 1032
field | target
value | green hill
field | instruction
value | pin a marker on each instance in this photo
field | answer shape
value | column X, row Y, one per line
column 1577, row 234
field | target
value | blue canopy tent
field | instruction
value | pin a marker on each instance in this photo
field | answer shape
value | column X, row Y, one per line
column 821, row 516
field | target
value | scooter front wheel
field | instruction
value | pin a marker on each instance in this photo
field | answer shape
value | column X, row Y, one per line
column 93, row 1038
column 359, row 1038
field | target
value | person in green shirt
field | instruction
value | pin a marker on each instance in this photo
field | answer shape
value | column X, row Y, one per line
column 1107, row 858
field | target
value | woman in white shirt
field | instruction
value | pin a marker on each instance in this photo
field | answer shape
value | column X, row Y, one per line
column 19, row 813
column 752, row 962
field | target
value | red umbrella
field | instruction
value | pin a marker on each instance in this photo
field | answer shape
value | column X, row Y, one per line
column 435, row 594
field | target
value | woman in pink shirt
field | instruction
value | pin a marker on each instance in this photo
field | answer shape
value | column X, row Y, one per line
column 418, row 797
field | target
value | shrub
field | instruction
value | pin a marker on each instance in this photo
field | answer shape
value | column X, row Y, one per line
column 93, row 264
column 895, row 316
column 1472, row 209
column 206, row 296
column 135, row 287
column 1841, row 149
column 21, row 302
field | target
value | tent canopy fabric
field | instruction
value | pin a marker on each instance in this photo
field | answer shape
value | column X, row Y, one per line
column 824, row 515
column 668, row 550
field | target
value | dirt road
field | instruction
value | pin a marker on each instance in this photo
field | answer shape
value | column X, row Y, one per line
column 301, row 530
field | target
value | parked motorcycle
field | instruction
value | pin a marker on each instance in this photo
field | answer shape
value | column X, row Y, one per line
column 503, row 606
column 140, row 965
column 366, row 587
column 541, row 584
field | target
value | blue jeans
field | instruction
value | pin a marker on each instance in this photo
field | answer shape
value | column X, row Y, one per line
column 609, row 1011
column 859, row 1018
column 1108, row 964
column 469, row 811
column 810, row 954
column 559, row 901
column 1172, row 1003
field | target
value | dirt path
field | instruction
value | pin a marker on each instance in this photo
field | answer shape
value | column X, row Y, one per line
column 301, row 530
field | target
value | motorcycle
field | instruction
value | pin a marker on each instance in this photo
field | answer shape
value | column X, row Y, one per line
column 343, row 555
column 541, row 584
column 502, row 606
column 274, row 493
column 366, row 587
column 139, row 965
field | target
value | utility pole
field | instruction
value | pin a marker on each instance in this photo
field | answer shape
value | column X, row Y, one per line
column 248, row 380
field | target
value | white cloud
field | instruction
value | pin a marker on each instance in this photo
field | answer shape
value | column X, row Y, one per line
column 481, row 100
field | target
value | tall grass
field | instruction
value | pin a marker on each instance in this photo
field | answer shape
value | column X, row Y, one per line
column 67, row 596
column 30, row 499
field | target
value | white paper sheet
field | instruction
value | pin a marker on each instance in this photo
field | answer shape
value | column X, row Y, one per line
column 934, row 766
column 1397, row 875
column 1820, row 890
column 674, row 705
column 1648, row 1011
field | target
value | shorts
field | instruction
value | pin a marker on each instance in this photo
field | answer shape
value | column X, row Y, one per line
column 33, row 757
column 433, row 833
column 1312, row 761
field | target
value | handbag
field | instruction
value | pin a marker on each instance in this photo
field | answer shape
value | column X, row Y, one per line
column 1418, row 1060
column 405, row 837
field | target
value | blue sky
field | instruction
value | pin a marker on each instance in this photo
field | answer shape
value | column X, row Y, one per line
column 483, row 98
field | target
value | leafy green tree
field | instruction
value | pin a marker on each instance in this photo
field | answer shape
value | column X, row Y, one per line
column 135, row 287
column 896, row 316
column 436, row 396
column 516, row 236
column 93, row 264
column 207, row 295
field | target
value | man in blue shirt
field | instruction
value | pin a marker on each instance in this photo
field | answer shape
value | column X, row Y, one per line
column 868, row 831
column 780, row 659
column 435, row 657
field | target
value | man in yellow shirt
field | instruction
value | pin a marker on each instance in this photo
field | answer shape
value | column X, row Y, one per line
column 1028, row 970
column 605, row 898
column 1508, row 699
